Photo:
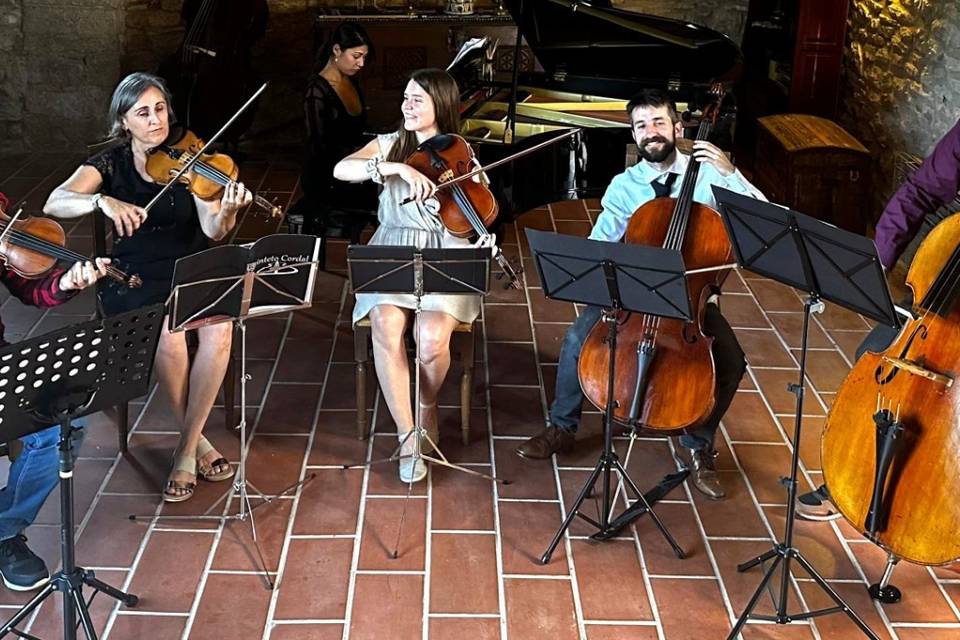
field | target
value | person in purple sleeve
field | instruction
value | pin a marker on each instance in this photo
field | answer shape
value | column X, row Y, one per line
column 935, row 183
column 34, row 473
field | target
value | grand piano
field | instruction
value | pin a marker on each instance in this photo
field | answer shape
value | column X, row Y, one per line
column 594, row 58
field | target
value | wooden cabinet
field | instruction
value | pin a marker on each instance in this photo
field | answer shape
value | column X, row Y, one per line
column 812, row 165
column 793, row 55
column 818, row 56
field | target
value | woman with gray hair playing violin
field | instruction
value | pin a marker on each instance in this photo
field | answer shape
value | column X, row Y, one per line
column 115, row 181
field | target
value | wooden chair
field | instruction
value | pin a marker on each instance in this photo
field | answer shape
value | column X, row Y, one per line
column 123, row 410
column 462, row 349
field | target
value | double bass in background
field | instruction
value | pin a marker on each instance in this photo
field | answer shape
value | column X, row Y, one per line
column 891, row 445
column 211, row 75
column 665, row 374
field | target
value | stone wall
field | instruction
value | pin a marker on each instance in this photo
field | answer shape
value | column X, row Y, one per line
column 13, row 75
column 902, row 88
column 60, row 63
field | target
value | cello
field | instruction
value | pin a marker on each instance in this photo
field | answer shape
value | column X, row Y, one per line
column 890, row 449
column 210, row 75
column 665, row 366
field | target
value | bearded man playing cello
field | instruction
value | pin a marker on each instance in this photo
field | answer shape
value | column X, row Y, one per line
column 655, row 127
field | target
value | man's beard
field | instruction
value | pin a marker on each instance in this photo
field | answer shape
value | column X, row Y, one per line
column 657, row 156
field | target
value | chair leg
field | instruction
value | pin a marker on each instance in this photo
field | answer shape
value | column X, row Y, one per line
column 466, row 387
column 229, row 393
column 123, row 424
column 466, row 392
column 361, row 338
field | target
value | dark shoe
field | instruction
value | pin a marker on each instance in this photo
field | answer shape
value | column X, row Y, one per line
column 816, row 505
column 704, row 473
column 546, row 443
column 22, row 569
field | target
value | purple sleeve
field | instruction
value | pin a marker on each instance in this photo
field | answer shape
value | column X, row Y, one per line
column 935, row 183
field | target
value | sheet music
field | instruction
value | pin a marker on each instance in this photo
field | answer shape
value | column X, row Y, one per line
column 468, row 46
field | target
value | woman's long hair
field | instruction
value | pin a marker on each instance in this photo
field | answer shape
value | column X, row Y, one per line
column 348, row 35
column 442, row 89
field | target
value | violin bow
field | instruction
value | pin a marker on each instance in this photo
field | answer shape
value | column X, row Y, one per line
column 187, row 165
column 501, row 161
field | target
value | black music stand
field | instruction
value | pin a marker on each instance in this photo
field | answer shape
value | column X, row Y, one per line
column 616, row 277
column 57, row 378
column 409, row 270
column 231, row 283
column 826, row 263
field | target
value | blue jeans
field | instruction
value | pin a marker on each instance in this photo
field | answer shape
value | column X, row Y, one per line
column 33, row 476
column 727, row 356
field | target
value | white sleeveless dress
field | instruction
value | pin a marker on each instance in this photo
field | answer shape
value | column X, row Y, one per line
column 412, row 225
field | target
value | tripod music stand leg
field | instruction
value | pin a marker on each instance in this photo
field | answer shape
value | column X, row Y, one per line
column 22, row 615
column 416, row 455
column 742, row 620
column 128, row 599
column 572, row 513
column 750, row 564
column 445, row 462
column 840, row 602
column 677, row 550
column 85, row 620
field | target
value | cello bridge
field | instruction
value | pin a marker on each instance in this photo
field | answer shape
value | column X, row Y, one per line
column 918, row 370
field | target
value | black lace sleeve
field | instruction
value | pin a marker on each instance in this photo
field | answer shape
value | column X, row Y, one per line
column 315, row 110
column 106, row 163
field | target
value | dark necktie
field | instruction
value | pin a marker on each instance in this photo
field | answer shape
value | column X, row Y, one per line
column 662, row 190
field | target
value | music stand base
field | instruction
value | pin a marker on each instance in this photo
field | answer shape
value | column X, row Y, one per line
column 785, row 551
column 240, row 482
column 71, row 579
column 438, row 459
column 607, row 528
column 781, row 553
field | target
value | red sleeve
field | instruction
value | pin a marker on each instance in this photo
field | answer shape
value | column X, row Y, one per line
column 43, row 292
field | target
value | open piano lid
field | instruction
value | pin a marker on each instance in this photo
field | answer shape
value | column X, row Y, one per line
column 594, row 41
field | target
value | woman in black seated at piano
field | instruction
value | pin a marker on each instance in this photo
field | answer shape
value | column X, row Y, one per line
column 335, row 118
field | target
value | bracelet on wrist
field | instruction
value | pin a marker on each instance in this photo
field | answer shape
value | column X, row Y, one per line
column 373, row 169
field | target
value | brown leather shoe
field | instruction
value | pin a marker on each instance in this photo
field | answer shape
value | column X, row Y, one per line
column 546, row 443
column 705, row 477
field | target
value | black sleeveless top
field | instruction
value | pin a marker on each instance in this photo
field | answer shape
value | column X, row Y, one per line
column 172, row 230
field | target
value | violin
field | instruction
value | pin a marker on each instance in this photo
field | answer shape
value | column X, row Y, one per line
column 665, row 366
column 32, row 246
column 889, row 449
column 208, row 176
column 466, row 207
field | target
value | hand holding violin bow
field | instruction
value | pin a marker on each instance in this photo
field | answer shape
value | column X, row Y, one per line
column 126, row 217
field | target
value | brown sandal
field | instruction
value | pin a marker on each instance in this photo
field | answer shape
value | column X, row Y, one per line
column 176, row 490
column 208, row 471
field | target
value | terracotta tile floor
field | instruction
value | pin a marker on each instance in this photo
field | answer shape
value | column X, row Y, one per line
column 467, row 555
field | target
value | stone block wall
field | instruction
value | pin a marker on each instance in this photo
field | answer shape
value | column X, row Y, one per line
column 902, row 80
column 60, row 63
column 13, row 75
